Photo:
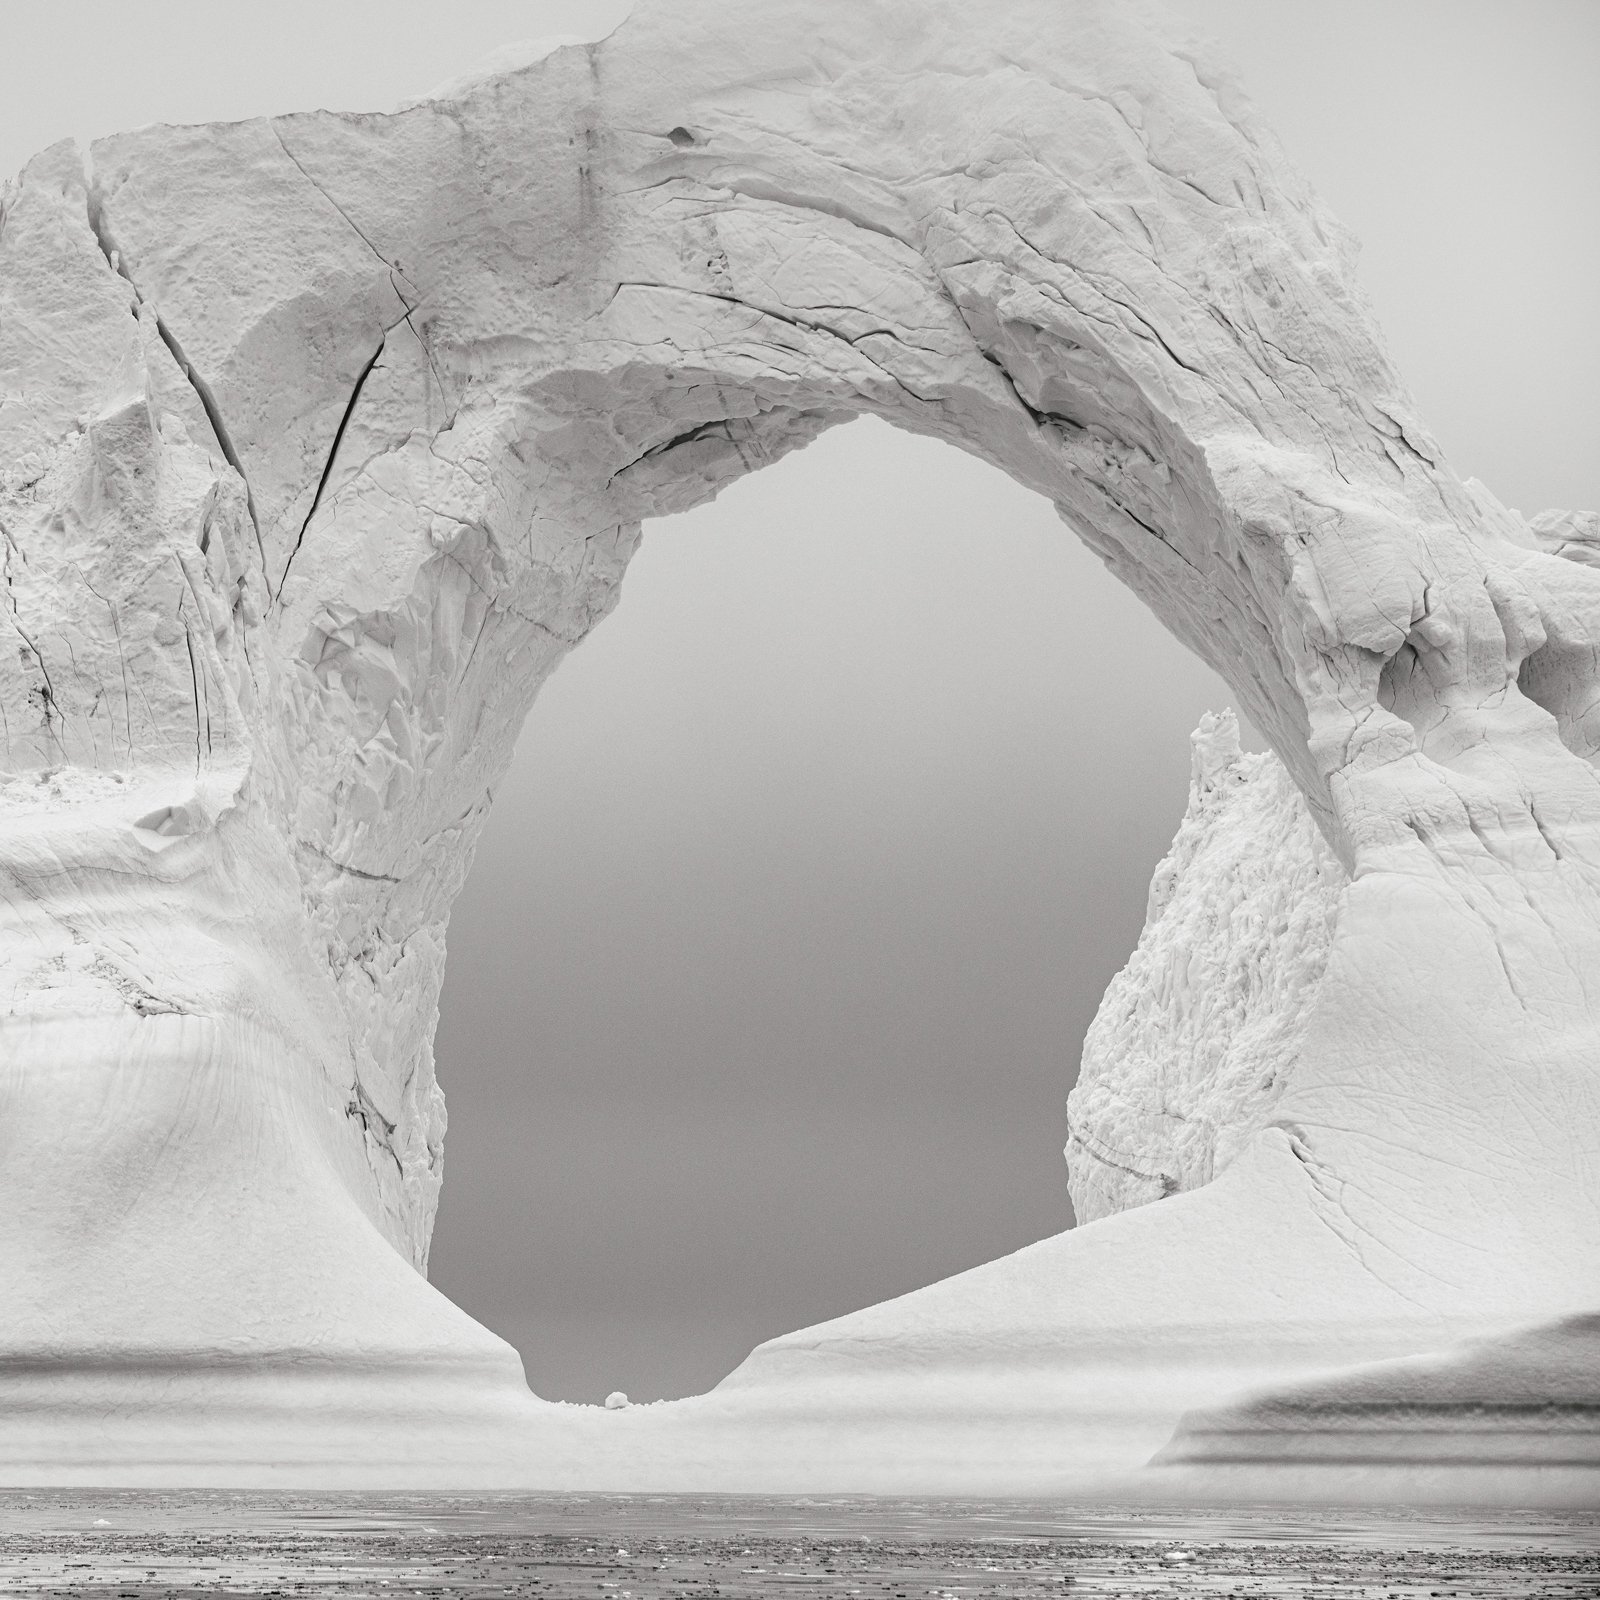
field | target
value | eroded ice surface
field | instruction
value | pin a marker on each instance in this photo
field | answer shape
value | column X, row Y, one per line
column 1199, row 1035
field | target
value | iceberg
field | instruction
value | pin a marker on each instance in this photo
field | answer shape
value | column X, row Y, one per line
column 324, row 437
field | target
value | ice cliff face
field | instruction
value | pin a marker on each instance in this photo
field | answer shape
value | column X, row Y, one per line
column 324, row 437
column 1199, row 1035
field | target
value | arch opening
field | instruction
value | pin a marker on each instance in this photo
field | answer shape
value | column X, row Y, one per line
column 768, row 984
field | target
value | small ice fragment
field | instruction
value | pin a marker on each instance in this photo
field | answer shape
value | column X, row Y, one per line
column 616, row 1400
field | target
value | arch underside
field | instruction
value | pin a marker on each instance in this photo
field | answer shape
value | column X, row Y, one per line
column 333, row 433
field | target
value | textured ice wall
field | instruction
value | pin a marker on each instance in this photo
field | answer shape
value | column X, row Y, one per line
column 1197, row 1036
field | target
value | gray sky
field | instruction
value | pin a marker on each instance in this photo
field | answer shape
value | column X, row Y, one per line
column 770, row 981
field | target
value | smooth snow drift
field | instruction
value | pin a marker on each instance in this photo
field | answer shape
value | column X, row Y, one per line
column 323, row 438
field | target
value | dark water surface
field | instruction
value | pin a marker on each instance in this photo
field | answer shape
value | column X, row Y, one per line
column 630, row 1547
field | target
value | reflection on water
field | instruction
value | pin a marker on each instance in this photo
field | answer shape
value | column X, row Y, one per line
column 629, row 1547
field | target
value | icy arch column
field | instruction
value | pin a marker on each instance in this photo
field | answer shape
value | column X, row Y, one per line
column 225, row 871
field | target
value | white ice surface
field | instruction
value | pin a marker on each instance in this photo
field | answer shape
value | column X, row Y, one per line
column 1198, row 1036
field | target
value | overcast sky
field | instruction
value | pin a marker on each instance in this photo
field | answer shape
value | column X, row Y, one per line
column 771, row 978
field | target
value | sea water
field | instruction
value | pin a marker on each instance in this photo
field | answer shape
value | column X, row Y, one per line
column 629, row 1547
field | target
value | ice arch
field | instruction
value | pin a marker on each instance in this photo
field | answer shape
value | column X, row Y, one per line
column 326, row 436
